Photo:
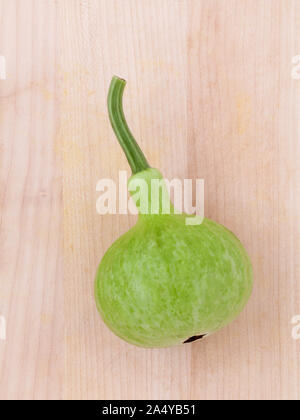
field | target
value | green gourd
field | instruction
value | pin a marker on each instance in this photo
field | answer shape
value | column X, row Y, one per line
column 164, row 283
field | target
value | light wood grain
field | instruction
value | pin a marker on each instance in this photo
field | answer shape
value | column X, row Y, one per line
column 209, row 95
column 31, row 288
column 244, row 141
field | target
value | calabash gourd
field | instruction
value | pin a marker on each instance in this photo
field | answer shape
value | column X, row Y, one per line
column 164, row 283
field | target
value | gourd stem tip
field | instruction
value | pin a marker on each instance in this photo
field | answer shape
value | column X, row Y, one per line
column 134, row 154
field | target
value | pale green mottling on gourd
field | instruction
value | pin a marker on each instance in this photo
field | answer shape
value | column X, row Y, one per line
column 164, row 282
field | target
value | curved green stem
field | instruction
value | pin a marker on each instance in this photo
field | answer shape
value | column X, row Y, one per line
column 135, row 156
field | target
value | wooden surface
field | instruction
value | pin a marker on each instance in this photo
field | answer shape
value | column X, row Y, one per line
column 210, row 95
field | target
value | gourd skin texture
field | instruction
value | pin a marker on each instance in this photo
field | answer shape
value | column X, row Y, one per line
column 163, row 281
